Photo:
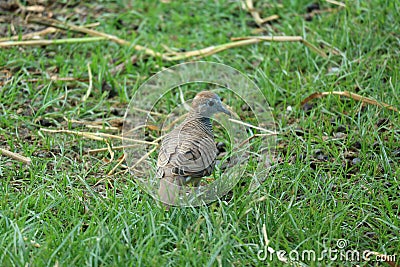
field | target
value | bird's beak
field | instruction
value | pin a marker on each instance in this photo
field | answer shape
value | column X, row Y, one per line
column 225, row 110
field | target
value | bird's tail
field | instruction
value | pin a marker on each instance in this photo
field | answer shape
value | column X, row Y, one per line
column 168, row 192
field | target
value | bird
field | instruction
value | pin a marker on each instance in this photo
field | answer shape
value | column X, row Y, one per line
column 188, row 152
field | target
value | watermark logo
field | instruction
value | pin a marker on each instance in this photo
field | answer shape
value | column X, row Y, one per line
column 341, row 243
column 339, row 253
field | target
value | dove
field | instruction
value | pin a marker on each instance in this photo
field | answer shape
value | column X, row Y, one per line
column 188, row 152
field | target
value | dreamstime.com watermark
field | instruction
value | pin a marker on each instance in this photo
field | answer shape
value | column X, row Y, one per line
column 339, row 253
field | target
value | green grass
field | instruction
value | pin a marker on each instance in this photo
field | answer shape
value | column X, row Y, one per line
column 64, row 209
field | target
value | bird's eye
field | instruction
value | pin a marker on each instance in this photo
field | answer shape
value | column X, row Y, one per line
column 211, row 103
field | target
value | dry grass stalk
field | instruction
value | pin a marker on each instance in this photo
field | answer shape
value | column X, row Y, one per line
column 89, row 90
column 51, row 42
column 354, row 96
column 117, row 165
column 254, row 127
column 242, row 41
column 56, row 78
column 143, row 157
column 71, row 27
column 98, row 123
column 100, row 127
column 98, row 150
column 37, row 35
column 31, row 35
column 33, row 8
column 249, row 6
column 336, row 3
column 15, row 156
column 97, row 136
column 283, row 39
column 149, row 112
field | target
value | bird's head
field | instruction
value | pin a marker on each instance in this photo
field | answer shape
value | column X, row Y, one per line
column 207, row 103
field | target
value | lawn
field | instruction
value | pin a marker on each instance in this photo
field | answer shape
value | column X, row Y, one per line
column 333, row 187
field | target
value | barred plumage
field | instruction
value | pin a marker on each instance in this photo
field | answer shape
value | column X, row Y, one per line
column 188, row 152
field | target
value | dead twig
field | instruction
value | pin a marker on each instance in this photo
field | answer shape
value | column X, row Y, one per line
column 143, row 158
column 51, row 78
column 336, row 3
column 354, row 96
column 37, row 35
column 117, row 165
column 71, row 27
column 89, row 90
column 111, row 151
column 15, row 156
column 98, row 150
column 248, row 5
column 31, row 35
column 100, row 127
column 148, row 112
column 208, row 51
column 115, row 123
column 33, row 8
column 197, row 54
column 151, row 127
column 243, row 41
column 254, row 127
column 83, row 134
column 51, row 42
column 97, row 136
column 283, row 39
column 56, row 78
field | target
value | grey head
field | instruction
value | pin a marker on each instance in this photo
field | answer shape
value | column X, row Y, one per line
column 207, row 103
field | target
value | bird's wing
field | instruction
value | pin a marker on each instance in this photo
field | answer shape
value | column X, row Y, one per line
column 168, row 147
column 188, row 155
